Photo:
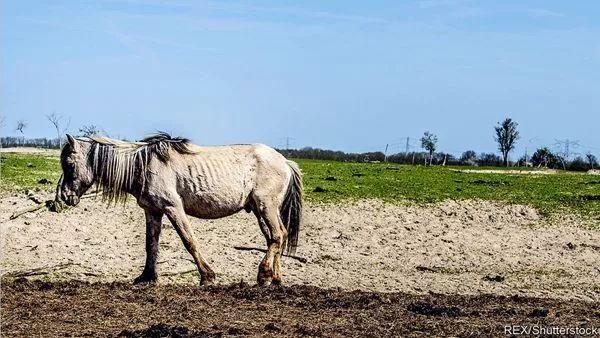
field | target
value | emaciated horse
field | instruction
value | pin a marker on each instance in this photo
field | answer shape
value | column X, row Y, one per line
column 172, row 177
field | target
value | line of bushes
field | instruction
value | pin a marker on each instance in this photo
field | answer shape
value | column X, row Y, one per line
column 469, row 158
column 542, row 158
column 21, row 141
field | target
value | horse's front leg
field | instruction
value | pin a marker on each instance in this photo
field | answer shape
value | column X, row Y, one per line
column 153, row 227
column 180, row 222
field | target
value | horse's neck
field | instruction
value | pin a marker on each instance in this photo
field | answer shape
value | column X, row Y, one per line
column 120, row 175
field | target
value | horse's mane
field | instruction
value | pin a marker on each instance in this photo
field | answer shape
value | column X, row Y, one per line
column 118, row 165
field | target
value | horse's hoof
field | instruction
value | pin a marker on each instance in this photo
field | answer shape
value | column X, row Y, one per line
column 264, row 280
column 145, row 279
column 207, row 280
column 264, row 283
column 276, row 281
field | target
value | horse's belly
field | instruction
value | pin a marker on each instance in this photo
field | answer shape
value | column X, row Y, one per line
column 212, row 205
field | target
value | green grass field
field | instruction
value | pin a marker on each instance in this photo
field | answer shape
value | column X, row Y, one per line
column 19, row 172
column 570, row 192
column 327, row 181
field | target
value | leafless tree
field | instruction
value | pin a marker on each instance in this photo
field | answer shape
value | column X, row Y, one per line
column 591, row 160
column 506, row 136
column 21, row 125
column 90, row 130
column 57, row 122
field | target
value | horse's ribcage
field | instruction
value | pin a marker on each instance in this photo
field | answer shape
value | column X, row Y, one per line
column 215, row 183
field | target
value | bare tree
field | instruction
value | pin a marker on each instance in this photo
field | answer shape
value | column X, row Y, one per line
column 21, row 125
column 89, row 130
column 506, row 136
column 591, row 160
column 57, row 121
column 429, row 143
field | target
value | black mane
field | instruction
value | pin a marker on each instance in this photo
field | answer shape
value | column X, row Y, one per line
column 160, row 143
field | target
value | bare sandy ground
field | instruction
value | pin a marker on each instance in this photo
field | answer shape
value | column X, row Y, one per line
column 31, row 150
column 465, row 247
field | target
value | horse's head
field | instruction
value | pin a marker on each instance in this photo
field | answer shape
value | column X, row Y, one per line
column 77, row 172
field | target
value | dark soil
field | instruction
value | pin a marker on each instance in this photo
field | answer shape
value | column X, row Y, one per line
column 36, row 308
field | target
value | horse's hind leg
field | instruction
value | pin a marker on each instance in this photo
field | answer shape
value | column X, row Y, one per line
column 269, row 270
column 180, row 222
column 277, row 258
column 262, row 225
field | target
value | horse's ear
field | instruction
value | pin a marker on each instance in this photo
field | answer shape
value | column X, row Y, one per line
column 71, row 140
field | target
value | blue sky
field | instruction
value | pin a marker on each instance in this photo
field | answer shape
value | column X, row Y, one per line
column 349, row 75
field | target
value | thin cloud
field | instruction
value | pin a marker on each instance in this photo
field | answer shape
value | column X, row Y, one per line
column 241, row 9
column 425, row 4
column 543, row 13
column 297, row 12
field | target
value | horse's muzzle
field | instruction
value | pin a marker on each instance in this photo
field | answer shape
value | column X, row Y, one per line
column 71, row 200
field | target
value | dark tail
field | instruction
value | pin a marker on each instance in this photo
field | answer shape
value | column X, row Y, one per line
column 291, row 209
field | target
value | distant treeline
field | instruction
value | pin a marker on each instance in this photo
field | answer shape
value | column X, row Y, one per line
column 21, row 141
column 484, row 159
column 542, row 158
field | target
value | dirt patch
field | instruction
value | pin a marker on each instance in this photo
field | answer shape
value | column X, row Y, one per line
column 450, row 247
column 122, row 310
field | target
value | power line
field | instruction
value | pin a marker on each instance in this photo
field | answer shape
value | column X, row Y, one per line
column 287, row 142
column 567, row 146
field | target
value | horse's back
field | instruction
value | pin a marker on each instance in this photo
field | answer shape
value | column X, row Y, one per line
column 259, row 156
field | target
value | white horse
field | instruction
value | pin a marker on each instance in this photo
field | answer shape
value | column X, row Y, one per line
column 172, row 177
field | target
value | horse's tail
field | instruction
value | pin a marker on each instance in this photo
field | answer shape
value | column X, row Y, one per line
column 291, row 209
